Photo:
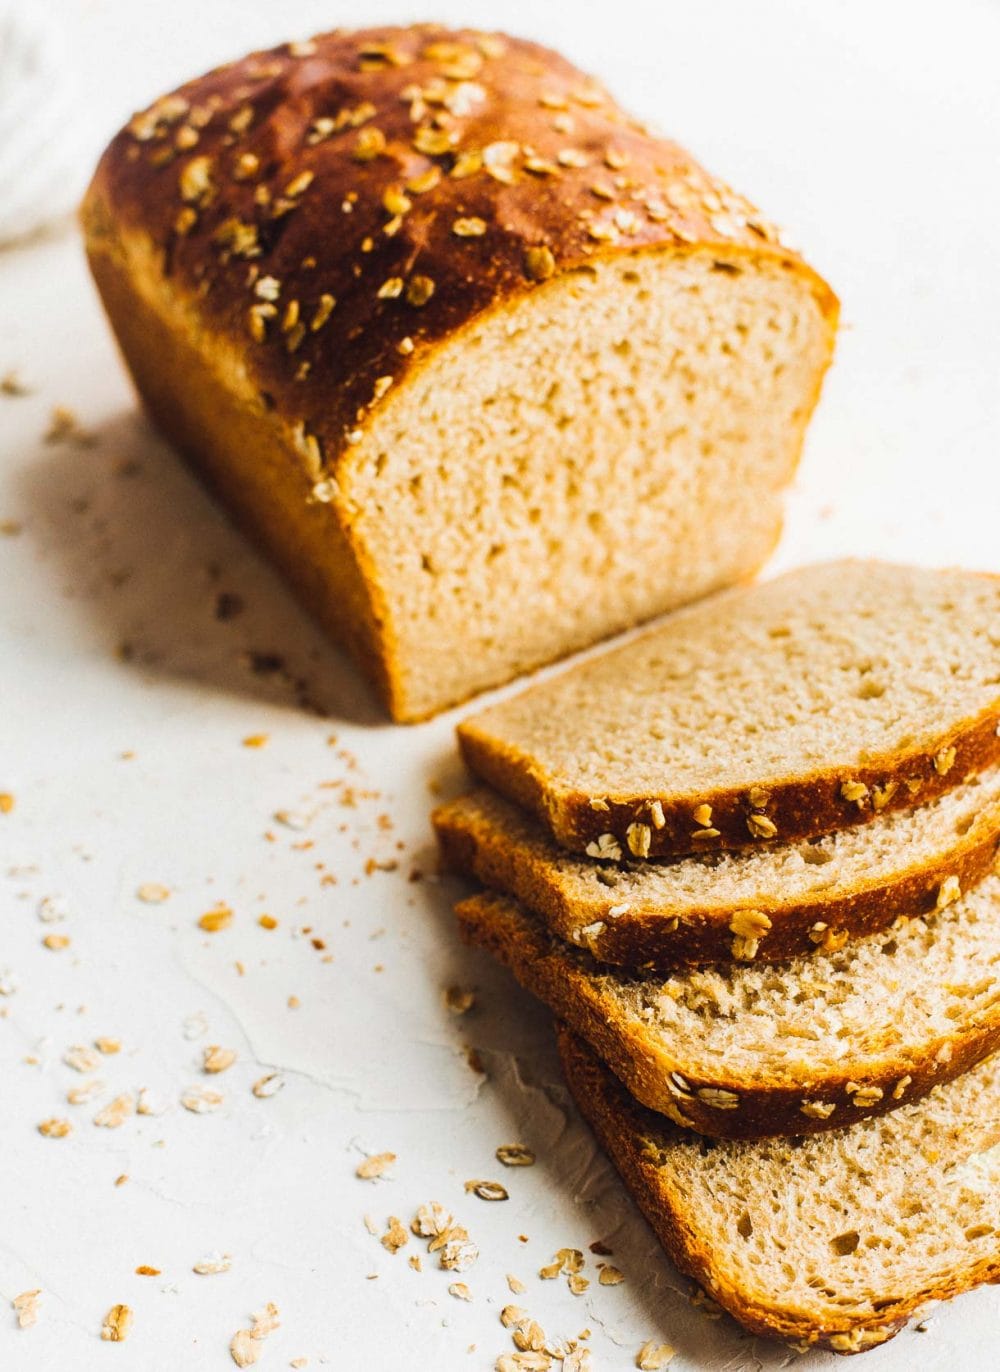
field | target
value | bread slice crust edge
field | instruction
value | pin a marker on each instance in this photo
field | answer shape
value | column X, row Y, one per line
column 665, row 1082
column 642, row 939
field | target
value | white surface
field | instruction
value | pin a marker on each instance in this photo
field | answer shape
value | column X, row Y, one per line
column 46, row 136
column 874, row 133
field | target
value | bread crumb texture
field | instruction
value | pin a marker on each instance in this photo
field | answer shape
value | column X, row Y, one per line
column 836, row 1239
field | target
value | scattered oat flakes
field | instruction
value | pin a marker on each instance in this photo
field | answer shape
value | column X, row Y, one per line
column 268, row 1085
column 265, row 1321
column 374, row 1166
column 256, row 740
column 611, row 1276
column 53, row 909
column 79, row 1095
column 149, row 1103
column 460, row 1291
column 12, row 385
column 488, row 1190
column 144, row 1270
column 212, row 1264
column 56, row 942
column 515, row 1285
column 511, row 1315
column 458, row 1000
column 117, row 1324
column 108, row 1046
column 651, row 1357
column 65, row 427
column 267, row 922
column 8, row 982
column 201, row 1100
column 55, row 1128
column 81, row 1058
column 115, row 1113
column 26, row 1308
column 6, row 802
column 395, row 1237
column 244, row 1349
column 577, row 1283
column 216, row 1059
column 528, row 1335
column 219, row 917
column 515, row 1155
column 153, row 893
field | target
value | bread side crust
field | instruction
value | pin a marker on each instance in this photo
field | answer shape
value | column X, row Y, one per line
column 618, row 1124
column 193, row 384
column 645, row 938
column 665, row 1081
column 799, row 807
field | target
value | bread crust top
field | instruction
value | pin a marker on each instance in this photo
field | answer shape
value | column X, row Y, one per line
column 344, row 202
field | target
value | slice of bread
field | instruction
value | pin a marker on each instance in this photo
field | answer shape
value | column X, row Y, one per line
column 793, row 1048
column 770, row 904
column 836, row 1240
column 775, row 712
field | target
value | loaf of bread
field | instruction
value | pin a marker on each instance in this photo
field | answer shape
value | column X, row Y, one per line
column 489, row 369
column 797, row 1048
column 764, row 904
column 834, row 1241
column 768, row 714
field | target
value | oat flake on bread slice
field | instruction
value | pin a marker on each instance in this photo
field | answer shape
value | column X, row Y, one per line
column 833, row 1241
column 773, row 712
column 788, row 1048
column 764, row 904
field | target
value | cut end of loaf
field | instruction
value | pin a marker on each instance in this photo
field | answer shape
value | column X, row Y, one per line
column 607, row 446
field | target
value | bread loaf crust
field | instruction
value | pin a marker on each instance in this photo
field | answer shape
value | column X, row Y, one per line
column 664, row 1082
column 620, row 1128
column 310, row 222
column 649, row 939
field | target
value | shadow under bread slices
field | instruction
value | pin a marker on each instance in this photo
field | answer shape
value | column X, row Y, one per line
column 834, row 1241
column 796, row 1048
column 763, row 905
column 768, row 713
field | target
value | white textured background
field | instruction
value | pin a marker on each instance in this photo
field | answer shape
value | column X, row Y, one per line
column 874, row 133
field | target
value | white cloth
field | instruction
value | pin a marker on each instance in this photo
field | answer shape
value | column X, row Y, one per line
column 45, row 147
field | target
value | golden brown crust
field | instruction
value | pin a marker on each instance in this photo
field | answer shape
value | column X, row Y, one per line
column 647, row 938
column 664, row 1082
column 797, row 807
column 302, row 165
column 621, row 1127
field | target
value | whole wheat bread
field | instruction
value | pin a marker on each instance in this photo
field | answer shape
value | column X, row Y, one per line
column 792, row 1048
column 489, row 369
column 771, row 713
column 767, row 904
column 836, row 1240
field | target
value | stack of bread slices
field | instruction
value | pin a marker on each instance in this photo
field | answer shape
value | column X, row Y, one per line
column 749, row 859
